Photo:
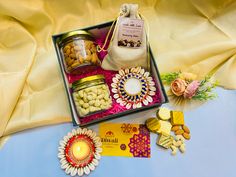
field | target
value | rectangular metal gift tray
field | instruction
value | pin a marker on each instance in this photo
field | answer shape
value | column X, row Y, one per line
column 96, row 30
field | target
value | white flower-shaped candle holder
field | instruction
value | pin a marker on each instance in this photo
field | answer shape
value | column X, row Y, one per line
column 79, row 152
column 133, row 87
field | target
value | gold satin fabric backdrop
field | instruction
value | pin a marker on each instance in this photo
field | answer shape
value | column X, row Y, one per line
column 190, row 35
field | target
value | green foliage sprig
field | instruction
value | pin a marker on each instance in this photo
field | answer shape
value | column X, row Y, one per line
column 169, row 77
column 205, row 90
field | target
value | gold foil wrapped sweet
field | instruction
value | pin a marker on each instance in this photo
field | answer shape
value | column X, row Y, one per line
column 177, row 118
column 153, row 124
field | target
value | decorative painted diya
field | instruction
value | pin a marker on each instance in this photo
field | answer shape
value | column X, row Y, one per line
column 79, row 152
column 133, row 87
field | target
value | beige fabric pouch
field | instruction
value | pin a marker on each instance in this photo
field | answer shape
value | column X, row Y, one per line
column 124, row 57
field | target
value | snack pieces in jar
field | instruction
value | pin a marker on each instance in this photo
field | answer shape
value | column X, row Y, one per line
column 78, row 50
column 91, row 95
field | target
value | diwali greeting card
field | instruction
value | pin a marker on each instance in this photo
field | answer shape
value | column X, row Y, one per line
column 129, row 140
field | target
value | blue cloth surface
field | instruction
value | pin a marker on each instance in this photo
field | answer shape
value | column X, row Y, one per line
column 211, row 152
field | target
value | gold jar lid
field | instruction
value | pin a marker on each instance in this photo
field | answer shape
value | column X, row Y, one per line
column 74, row 33
column 87, row 79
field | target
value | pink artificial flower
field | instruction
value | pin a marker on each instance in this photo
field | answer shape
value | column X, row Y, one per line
column 191, row 89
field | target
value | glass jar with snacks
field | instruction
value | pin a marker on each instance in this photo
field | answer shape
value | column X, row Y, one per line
column 91, row 95
column 77, row 50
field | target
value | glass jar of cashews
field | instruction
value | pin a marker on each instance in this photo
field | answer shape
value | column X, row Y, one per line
column 91, row 95
column 77, row 50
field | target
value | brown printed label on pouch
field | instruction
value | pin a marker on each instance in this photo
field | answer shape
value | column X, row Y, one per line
column 130, row 32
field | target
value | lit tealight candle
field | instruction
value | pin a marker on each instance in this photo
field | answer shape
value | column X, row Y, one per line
column 80, row 150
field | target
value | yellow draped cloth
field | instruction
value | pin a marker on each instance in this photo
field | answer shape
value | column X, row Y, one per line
column 189, row 35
